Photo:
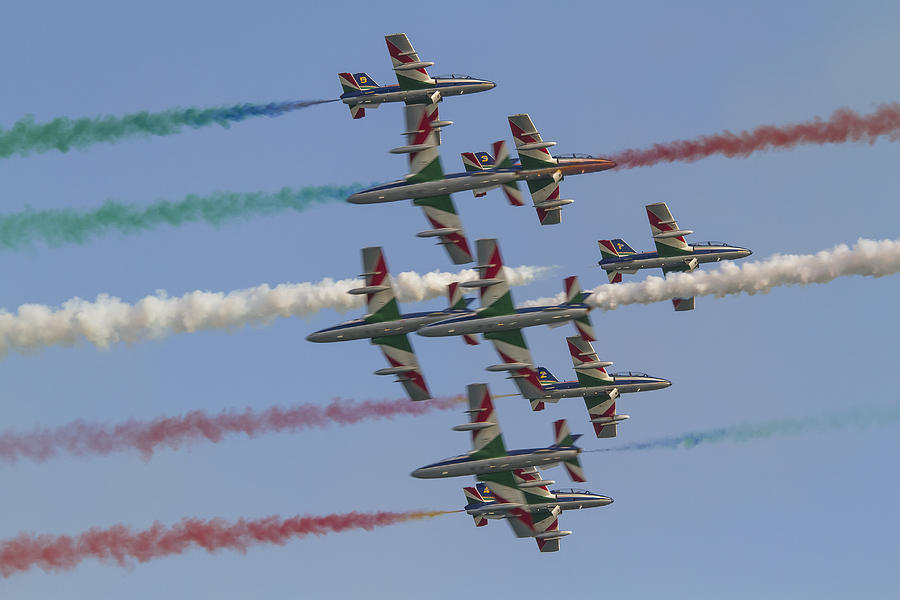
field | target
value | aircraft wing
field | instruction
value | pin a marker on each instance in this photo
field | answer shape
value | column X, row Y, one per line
column 535, row 514
column 534, row 155
column 667, row 236
column 423, row 139
column 403, row 363
column 411, row 72
column 517, row 361
column 591, row 373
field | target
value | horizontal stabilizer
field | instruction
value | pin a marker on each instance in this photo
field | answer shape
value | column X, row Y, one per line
column 438, row 232
column 474, row 426
column 670, row 234
column 395, row 370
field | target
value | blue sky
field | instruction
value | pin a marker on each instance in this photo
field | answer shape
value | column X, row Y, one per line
column 787, row 517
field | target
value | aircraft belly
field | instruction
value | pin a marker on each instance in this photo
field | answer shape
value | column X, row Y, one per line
column 427, row 189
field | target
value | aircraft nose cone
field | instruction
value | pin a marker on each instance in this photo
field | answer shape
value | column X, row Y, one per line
column 418, row 474
column 666, row 382
column 748, row 252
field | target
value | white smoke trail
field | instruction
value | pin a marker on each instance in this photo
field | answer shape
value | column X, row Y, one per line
column 870, row 258
column 108, row 320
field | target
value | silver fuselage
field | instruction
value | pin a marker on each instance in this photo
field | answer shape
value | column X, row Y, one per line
column 459, row 182
column 624, row 385
column 459, row 466
column 359, row 329
column 523, row 317
column 651, row 260
column 564, row 500
column 393, row 93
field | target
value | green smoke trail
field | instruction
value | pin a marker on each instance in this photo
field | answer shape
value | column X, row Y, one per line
column 26, row 137
column 860, row 417
column 67, row 226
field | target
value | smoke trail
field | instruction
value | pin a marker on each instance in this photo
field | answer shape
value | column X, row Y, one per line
column 108, row 320
column 91, row 439
column 122, row 545
column 859, row 417
column 69, row 226
column 867, row 257
column 844, row 125
column 27, row 137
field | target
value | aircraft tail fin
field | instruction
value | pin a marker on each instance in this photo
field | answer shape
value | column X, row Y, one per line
column 487, row 441
column 473, row 497
column 683, row 304
column 364, row 81
column 379, row 292
column 477, row 161
column 544, row 374
column 622, row 247
column 564, row 438
column 574, row 295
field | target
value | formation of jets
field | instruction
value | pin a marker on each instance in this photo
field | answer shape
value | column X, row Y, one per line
column 509, row 485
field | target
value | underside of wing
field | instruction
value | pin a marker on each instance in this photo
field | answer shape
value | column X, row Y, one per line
column 446, row 226
column 403, row 364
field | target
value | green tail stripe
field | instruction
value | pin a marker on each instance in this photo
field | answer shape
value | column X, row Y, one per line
column 431, row 172
column 501, row 306
column 513, row 337
column 585, row 380
column 493, row 449
column 400, row 342
column 531, row 163
column 443, row 203
column 407, row 83
column 388, row 312
column 664, row 250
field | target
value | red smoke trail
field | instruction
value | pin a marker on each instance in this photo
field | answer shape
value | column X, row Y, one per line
column 81, row 438
column 123, row 545
column 844, row 125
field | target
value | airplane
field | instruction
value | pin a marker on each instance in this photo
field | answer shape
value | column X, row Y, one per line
column 387, row 328
column 489, row 455
column 415, row 85
column 535, row 166
column 518, row 491
column 535, row 502
column 598, row 388
column 673, row 253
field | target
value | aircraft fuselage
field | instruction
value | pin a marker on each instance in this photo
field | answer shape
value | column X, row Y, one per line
column 623, row 383
column 359, row 329
column 522, row 317
column 459, row 466
column 564, row 500
column 393, row 93
column 652, row 260
column 459, row 182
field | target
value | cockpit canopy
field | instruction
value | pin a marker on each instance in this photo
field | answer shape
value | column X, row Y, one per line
column 455, row 76
column 629, row 374
column 709, row 244
column 572, row 491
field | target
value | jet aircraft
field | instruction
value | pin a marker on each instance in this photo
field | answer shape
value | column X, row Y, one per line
column 482, row 505
column 387, row 328
column 598, row 388
column 673, row 253
column 535, row 165
column 414, row 84
column 518, row 490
